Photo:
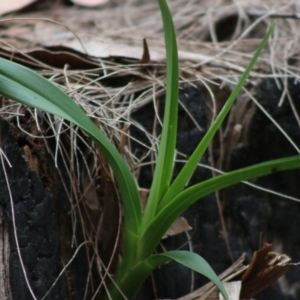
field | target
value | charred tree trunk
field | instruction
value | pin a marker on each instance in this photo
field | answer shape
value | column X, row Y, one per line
column 29, row 226
column 50, row 238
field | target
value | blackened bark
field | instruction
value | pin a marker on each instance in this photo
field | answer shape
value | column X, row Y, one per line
column 36, row 223
column 251, row 216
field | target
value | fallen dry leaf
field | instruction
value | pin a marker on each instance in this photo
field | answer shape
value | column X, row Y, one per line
column 56, row 59
column 180, row 225
column 12, row 5
column 265, row 268
column 89, row 3
column 146, row 55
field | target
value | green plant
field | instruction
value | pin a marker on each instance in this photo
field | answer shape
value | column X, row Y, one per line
column 168, row 199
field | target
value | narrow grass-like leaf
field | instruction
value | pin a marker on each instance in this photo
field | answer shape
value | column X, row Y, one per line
column 130, row 283
column 27, row 87
column 168, row 213
column 198, row 264
column 165, row 160
column 190, row 166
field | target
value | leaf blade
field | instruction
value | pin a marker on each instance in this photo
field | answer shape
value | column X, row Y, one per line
column 185, row 199
column 25, row 86
column 165, row 160
column 198, row 264
column 186, row 172
column 142, row 270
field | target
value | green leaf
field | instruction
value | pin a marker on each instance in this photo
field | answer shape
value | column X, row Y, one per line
column 185, row 199
column 27, row 87
column 165, row 160
column 195, row 262
column 189, row 168
column 130, row 283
